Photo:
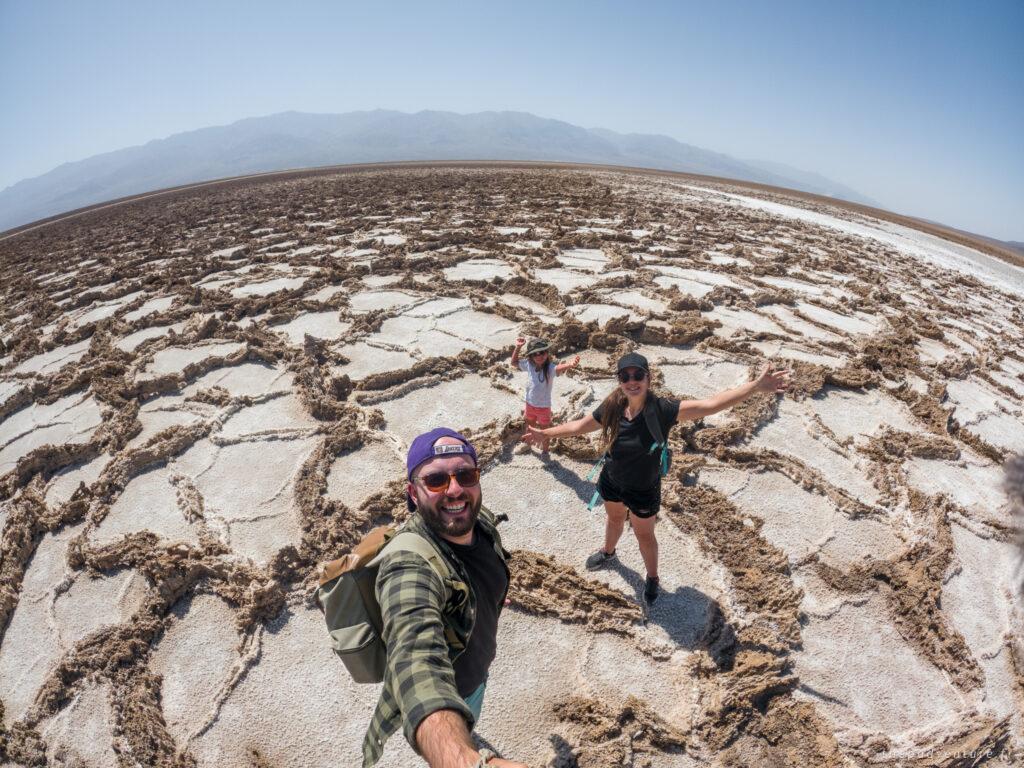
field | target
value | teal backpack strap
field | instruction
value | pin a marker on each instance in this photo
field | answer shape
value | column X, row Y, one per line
column 593, row 473
column 654, row 427
column 596, row 469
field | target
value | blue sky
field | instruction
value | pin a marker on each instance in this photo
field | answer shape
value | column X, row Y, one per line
column 918, row 105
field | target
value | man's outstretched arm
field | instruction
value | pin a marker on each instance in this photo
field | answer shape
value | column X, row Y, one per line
column 444, row 741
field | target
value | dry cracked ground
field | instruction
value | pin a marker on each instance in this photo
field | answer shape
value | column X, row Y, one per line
column 203, row 396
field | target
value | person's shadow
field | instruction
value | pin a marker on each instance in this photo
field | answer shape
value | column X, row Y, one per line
column 583, row 488
column 691, row 619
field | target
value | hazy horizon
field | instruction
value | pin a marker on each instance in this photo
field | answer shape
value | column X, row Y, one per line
column 917, row 106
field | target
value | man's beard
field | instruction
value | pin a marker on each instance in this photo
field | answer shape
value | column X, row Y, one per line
column 443, row 526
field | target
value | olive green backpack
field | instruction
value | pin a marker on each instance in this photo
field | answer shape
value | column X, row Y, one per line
column 348, row 598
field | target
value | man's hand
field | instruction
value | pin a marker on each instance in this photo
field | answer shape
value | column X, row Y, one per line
column 519, row 342
column 575, row 361
column 776, row 381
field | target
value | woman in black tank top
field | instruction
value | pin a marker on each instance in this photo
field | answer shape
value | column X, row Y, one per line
column 630, row 480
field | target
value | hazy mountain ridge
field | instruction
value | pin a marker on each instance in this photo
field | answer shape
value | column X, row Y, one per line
column 299, row 140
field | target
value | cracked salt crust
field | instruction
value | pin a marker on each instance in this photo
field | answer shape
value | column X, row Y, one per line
column 369, row 301
column 55, row 359
column 132, row 341
column 66, row 482
column 196, row 658
column 244, row 380
column 839, row 667
column 355, row 475
column 798, row 522
column 465, row 403
column 366, row 359
column 479, row 269
column 794, row 432
column 269, row 287
column 57, row 608
column 71, row 419
column 853, row 324
column 566, row 280
column 258, row 517
column 741, row 322
column 602, row 313
column 638, row 301
column 584, row 259
column 319, row 325
column 82, row 733
column 538, row 309
column 974, row 598
column 280, row 415
column 152, row 306
column 780, row 349
column 272, row 705
column 972, row 482
column 176, row 359
column 149, row 503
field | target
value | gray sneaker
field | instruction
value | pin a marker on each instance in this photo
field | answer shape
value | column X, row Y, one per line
column 599, row 559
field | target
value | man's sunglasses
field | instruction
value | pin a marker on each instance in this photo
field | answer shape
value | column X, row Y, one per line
column 438, row 482
column 639, row 374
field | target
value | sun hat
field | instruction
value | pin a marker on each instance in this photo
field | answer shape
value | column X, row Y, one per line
column 632, row 360
column 536, row 345
column 423, row 449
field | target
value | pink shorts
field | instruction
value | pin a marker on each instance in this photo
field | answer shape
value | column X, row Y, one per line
column 541, row 416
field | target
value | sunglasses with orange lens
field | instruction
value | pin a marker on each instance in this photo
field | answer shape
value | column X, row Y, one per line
column 438, row 482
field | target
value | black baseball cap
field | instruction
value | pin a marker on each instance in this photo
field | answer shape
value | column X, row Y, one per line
column 632, row 360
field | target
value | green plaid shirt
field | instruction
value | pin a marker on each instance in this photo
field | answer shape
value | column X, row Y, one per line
column 426, row 626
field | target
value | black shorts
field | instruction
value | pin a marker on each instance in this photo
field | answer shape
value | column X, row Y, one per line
column 643, row 503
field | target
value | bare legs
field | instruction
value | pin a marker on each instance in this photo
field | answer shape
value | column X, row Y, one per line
column 643, row 529
column 614, row 522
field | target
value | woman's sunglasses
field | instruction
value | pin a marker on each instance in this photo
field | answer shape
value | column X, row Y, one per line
column 438, row 482
column 639, row 374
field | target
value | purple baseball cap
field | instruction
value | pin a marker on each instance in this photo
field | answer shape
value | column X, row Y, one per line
column 423, row 449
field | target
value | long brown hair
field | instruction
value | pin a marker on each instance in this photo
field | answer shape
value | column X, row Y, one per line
column 612, row 410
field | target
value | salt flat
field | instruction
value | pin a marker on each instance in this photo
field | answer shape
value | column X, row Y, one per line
column 180, row 448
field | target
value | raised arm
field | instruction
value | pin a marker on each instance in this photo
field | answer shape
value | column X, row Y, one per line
column 561, row 367
column 768, row 380
column 515, row 352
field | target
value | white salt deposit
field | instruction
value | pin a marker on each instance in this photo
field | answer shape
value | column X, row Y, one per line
column 319, row 325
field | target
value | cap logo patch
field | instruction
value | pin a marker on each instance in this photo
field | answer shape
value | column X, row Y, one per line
column 441, row 450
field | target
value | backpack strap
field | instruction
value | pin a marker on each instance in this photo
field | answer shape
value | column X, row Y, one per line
column 410, row 541
column 654, row 426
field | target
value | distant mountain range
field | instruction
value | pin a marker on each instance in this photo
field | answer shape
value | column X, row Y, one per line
column 302, row 140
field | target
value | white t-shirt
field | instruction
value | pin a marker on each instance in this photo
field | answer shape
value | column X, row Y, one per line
column 538, row 392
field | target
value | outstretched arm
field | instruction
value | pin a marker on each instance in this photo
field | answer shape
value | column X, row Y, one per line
column 515, row 352
column 579, row 426
column 768, row 380
column 566, row 366
column 419, row 670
